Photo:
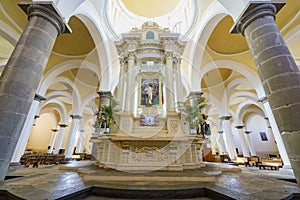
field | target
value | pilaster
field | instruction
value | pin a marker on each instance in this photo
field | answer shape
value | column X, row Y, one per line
column 250, row 143
column 228, row 136
column 223, row 147
column 170, row 92
column 122, row 83
column 71, row 137
column 52, row 140
column 61, row 133
column 242, row 140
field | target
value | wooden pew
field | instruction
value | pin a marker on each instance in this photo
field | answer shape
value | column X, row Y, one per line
column 270, row 163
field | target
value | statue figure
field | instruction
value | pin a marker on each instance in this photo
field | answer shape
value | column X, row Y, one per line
column 202, row 125
column 149, row 94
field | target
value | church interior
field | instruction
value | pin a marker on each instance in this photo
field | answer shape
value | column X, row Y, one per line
column 128, row 99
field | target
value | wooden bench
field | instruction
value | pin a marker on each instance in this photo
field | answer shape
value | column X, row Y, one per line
column 41, row 158
column 241, row 161
column 253, row 161
column 270, row 163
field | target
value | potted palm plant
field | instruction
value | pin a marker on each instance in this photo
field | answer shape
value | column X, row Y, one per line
column 193, row 114
column 108, row 111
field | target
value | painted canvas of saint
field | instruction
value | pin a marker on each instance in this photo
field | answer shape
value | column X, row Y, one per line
column 149, row 92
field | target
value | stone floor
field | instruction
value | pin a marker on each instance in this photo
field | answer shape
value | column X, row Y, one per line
column 56, row 181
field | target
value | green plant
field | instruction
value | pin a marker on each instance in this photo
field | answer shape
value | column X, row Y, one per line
column 109, row 111
column 193, row 112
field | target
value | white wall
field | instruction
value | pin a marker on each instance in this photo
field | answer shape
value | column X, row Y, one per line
column 41, row 133
column 258, row 124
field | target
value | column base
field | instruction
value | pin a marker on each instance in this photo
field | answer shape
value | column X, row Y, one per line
column 287, row 167
column 15, row 164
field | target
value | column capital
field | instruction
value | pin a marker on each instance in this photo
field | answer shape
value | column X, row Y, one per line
column 177, row 60
column 169, row 55
column 62, row 125
column 122, row 60
column 131, row 55
column 76, row 116
column 54, row 129
column 103, row 93
column 195, row 94
column 48, row 11
column 39, row 98
column 220, row 132
column 263, row 100
column 255, row 10
column 239, row 126
column 105, row 97
column 225, row 117
column 248, row 132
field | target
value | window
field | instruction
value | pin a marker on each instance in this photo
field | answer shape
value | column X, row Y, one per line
column 150, row 35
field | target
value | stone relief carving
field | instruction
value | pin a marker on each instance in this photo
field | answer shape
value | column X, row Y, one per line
column 173, row 125
column 125, row 125
column 149, row 154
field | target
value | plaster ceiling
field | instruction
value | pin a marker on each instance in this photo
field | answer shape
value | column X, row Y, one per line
column 150, row 8
column 223, row 42
column 79, row 42
column 5, row 48
column 215, row 77
column 85, row 77
column 15, row 12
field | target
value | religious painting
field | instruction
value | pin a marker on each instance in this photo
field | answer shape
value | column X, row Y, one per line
column 263, row 136
column 149, row 92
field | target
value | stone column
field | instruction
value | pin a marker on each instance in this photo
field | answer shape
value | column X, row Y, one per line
column 250, row 144
column 126, row 117
column 275, row 131
column 80, row 142
column 71, row 138
column 245, row 149
column 130, row 83
column 169, row 82
column 52, row 140
column 61, row 133
column 122, row 84
column 278, row 72
column 194, row 96
column 26, row 130
column 23, row 72
column 178, row 81
column 228, row 137
column 105, row 98
column 223, row 147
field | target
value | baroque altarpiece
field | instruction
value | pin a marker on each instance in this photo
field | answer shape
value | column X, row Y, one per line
column 148, row 133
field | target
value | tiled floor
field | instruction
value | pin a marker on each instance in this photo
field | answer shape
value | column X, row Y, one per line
column 50, row 182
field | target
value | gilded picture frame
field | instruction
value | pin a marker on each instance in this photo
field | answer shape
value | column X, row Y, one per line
column 156, row 88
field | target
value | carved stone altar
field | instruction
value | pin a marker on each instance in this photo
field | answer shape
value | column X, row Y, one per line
column 148, row 133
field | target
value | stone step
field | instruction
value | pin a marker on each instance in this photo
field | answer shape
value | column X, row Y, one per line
column 149, row 178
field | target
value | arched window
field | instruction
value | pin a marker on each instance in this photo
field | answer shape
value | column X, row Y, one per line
column 150, row 35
